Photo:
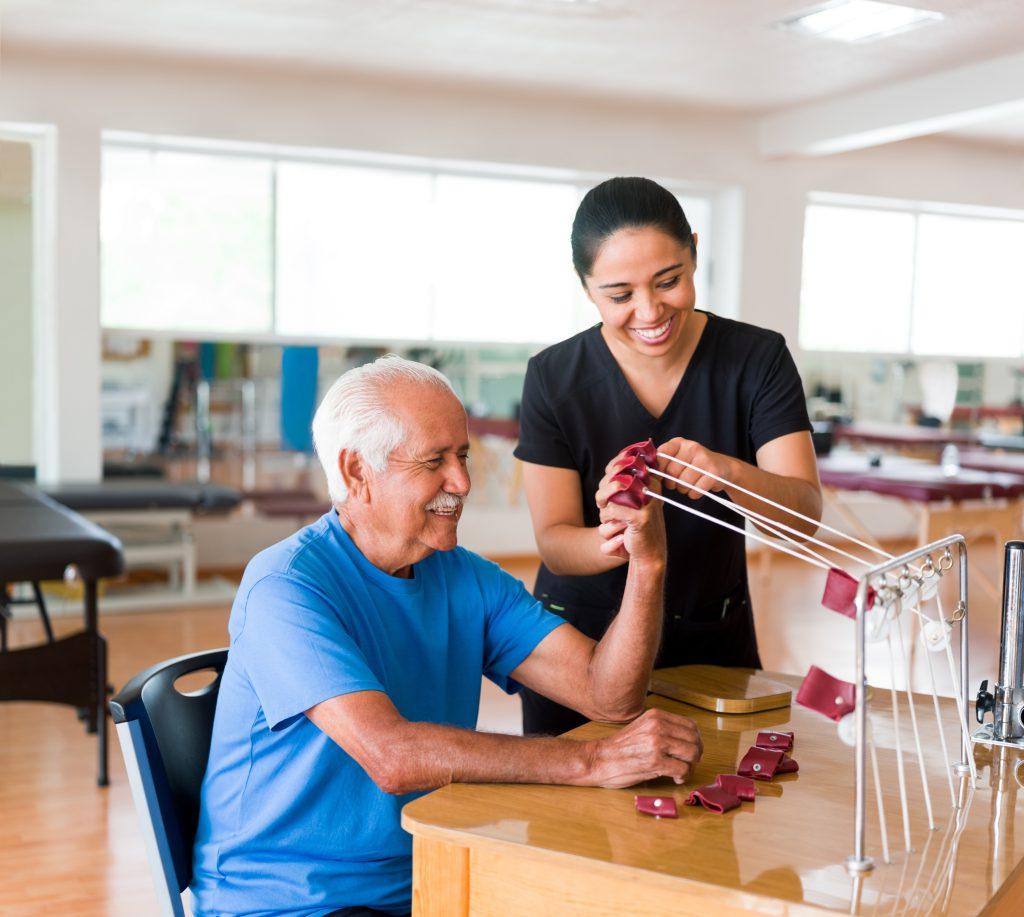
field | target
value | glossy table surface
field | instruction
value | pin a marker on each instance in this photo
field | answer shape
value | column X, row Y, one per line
column 790, row 845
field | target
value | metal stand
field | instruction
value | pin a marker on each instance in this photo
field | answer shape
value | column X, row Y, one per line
column 859, row 862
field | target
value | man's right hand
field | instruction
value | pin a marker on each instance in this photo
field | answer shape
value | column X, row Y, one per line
column 630, row 533
column 655, row 744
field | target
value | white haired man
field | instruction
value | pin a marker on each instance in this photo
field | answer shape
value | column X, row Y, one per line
column 357, row 648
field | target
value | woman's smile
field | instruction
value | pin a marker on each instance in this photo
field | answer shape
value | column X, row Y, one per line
column 653, row 336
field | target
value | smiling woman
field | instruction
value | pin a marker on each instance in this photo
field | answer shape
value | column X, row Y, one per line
column 719, row 394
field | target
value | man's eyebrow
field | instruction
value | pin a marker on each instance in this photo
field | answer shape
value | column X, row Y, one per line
column 664, row 270
column 441, row 450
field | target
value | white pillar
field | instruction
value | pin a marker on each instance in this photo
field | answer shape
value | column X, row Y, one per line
column 67, row 340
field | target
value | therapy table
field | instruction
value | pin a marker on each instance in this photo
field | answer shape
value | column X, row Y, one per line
column 152, row 518
column 528, row 849
column 40, row 540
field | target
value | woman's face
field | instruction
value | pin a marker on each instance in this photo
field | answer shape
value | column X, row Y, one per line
column 642, row 284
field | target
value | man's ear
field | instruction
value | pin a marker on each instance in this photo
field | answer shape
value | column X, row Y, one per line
column 354, row 475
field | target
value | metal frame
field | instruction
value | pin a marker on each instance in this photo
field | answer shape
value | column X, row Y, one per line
column 859, row 862
column 154, row 837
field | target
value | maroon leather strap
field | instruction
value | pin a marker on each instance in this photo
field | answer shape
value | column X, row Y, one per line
column 632, row 493
column 760, row 763
column 765, row 763
column 775, row 740
column 645, row 450
column 713, row 798
column 658, row 806
column 841, row 593
column 741, row 787
column 787, row 766
column 635, row 466
column 826, row 694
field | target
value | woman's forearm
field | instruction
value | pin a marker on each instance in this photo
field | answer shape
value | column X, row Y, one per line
column 574, row 550
column 797, row 493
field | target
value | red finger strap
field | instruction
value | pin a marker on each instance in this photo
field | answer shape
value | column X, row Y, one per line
column 632, row 493
column 760, row 763
column 826, row 694
column 658, row 806
column 765, row 763
column 713, row 798
column 635, row 466
column 776, row 740
column 841, row 593
column 645, row 450
column 741, row 787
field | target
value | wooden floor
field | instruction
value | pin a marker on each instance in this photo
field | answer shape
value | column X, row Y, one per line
column 70, row 848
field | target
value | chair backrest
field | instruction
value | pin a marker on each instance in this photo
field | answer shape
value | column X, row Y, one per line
column 165, row 738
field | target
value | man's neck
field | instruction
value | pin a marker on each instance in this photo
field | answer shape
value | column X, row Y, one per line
column 382, row 556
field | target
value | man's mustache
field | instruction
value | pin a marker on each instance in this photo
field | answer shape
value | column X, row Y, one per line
column 445, row 502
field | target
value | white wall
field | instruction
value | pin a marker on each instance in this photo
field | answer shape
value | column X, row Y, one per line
column 83, row 95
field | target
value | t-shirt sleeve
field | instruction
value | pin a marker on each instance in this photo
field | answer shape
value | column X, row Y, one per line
column 779, row 406
column 541, row 440
column 515, row 623
column 295, row 649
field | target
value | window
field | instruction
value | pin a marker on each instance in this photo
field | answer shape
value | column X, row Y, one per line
column 186, row 242
column 265, row 244
column 503, row 265
column 911, row 281
column 353, row 252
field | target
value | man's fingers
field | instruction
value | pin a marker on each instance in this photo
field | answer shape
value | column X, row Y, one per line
column 613, row 547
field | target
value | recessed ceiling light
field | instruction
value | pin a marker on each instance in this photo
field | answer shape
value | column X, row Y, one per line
column 859, row 20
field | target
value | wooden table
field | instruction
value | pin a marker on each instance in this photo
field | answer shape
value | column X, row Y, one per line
column 505, row 849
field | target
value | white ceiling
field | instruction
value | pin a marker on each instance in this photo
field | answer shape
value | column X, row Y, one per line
column 711, row 53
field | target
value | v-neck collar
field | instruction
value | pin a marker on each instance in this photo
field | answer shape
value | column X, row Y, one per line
column 616, row 369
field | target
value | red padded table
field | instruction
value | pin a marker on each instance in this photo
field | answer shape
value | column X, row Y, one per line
column 918, row 481
column 972, row 502
column 999, row 462
column 923, row 442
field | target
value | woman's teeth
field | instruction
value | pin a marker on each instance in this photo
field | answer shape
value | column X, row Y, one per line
column 652, row 333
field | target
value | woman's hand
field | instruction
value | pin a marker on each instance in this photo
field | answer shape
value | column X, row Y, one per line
column 686, row 450
column 629, row 533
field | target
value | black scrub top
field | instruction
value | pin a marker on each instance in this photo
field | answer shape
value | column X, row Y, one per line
column 740, row 390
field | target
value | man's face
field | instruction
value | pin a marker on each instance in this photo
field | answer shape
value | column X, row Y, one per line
column 416, row 501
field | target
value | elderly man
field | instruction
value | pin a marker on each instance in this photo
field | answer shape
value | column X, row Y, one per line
column 357, row 648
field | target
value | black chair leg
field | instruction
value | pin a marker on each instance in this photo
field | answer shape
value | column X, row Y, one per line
column 47, row 626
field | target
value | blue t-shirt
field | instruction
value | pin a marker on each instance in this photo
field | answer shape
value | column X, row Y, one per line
column 290, row 823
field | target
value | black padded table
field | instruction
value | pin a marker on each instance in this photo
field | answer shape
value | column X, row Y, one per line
column 39, row 540
column 141, row 494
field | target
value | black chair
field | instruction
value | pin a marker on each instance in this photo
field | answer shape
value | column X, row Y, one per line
column 165, row 739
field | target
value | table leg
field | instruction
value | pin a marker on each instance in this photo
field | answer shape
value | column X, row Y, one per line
column 440, row 879
column 98, row 716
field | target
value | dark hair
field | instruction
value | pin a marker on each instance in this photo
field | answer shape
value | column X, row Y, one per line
column 625, row 203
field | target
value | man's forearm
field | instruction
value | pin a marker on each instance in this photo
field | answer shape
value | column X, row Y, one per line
column 620, row 671
column 574, row 550
column 796, row 493
column 424, row 756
